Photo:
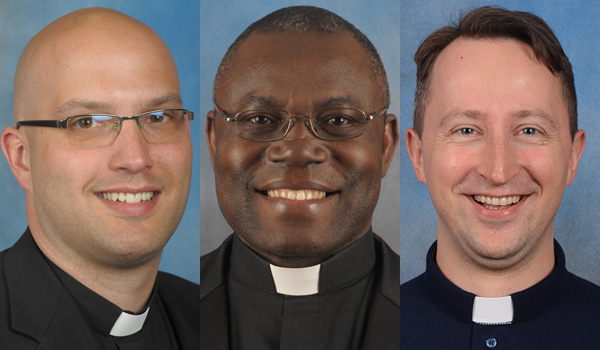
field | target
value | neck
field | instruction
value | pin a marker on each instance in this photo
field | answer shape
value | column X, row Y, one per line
column 495, row 277
column 128, row 288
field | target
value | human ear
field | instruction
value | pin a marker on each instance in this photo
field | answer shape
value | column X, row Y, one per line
column 15, row 150
column 576, row 151
column 415, row 151
column 210, row 135
column 390, row 142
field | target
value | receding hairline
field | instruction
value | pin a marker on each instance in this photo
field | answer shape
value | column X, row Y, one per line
column 489, row 22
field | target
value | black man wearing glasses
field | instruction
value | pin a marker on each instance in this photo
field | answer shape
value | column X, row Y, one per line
column 299, row 140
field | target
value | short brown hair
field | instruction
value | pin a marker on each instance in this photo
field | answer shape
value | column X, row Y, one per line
column 496, row 23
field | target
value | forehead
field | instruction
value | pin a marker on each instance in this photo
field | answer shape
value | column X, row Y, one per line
column 307, row 66
column 500, row 76
column 121, row 64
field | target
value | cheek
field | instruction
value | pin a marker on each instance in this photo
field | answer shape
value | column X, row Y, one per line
column 547, row 166
column 174, row 157
column 448, row 165
column 63, row 166
column 235, row 162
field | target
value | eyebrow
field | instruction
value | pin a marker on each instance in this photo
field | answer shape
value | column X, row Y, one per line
column 461, row 113
column 269, row 101
column 534, row 113
column 161, row 100
column 77, row 104
column 475, row 115
column 252, row 99
column 339, row 101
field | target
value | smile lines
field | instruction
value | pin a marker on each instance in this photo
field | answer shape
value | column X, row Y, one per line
column 497, row 203
column 299, row 195
column 127, row 197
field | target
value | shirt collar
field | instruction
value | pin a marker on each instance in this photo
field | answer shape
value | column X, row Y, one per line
column 344, row 268
column 526, row 303
column 296, row 281
column 100, row 313
column 493, row 311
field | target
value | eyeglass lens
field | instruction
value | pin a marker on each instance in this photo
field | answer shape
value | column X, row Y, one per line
column 330, row 124
column 156, row 126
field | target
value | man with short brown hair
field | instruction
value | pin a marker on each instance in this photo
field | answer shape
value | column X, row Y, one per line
column 495, row 140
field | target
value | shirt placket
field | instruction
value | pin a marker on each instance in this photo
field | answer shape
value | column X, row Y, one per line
column 486, row 337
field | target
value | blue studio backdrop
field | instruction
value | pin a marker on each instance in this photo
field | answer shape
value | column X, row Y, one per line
column 177, row 22
column 222, row 21
column 577, row 225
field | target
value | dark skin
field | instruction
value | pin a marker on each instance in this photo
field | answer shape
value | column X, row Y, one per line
column 300, row 72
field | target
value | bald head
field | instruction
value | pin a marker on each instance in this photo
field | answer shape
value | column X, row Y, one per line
column 92, row 43
column 98, row 61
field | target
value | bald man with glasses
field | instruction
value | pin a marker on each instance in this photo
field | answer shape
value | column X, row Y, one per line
column 102, row 147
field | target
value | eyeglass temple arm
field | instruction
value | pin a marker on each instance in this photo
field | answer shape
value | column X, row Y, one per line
column 378, row 113
column 46, row 123
column 221, row 113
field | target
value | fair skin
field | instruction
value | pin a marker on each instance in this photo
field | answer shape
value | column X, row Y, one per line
column 496, row 126
column 111, row 247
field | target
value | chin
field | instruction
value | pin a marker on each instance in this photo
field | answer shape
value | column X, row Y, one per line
column 290, row 246
column 497, row 256
column 131, row 258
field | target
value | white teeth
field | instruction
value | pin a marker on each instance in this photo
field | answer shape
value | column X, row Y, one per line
column 299, row 195
column 128, row 197
column 497, row 202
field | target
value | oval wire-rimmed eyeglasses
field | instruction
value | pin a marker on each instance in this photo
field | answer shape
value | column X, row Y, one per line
column 93, row 130
column 327, row 124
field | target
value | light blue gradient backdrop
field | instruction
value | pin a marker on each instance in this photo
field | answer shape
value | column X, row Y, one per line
column 177, row 22
column 222, row 21
column 577, row 225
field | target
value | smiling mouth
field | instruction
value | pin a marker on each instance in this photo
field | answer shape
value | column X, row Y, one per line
column 298, row 195
column 127, row 197
column 497, row 203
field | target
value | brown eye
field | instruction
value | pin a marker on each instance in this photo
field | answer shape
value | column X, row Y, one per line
column 338, row 120
column 159, row 117
column 86, row 123
column 259, row 119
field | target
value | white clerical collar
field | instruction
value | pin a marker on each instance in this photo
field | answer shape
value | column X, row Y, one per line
column 493, row 310
column 128, row 324
column 300, row 281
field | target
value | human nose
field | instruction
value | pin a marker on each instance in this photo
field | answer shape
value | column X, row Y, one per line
column 131, row 149
column 299, row 146
column 499, row 160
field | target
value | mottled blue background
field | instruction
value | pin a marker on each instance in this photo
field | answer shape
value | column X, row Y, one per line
column 177, row 22
column 577, row 228
column 222, row 21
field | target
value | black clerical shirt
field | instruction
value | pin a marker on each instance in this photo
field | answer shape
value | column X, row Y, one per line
column 334, row 318
column 560, row 312
column 101, row 314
